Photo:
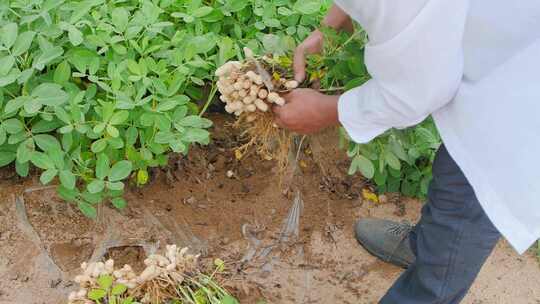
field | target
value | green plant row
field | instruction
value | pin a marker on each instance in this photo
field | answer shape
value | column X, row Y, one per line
column 95, row 92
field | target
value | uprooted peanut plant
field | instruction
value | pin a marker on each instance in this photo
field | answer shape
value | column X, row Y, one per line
column 249, row 89
column 172, row 277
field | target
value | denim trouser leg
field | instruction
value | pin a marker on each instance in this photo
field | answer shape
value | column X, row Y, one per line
column 452, row 241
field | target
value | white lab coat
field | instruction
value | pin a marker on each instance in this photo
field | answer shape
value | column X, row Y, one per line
column 475, row 66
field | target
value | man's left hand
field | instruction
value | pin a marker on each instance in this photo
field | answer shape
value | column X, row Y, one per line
column 307, row 111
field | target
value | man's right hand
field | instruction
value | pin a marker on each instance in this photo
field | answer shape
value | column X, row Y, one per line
column 337, row 19
column 312, row 45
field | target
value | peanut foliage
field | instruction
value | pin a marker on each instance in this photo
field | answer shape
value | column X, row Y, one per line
column 94, row 93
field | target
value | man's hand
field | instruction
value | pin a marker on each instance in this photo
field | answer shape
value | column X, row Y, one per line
column 337, row 19
column 307, row 111
column 312, row 45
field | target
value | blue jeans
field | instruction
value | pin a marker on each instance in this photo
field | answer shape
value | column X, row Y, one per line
column 452, row 240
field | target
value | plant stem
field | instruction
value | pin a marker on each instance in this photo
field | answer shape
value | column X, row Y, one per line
column 209, row 100
column 332, row 89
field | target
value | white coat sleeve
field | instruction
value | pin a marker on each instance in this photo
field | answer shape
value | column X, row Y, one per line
column 415, row 58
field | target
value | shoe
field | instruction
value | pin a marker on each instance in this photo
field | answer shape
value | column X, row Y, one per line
column 387, row 240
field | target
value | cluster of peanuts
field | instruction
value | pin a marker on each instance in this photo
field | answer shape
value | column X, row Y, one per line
column 243, row 90
column 170, row 266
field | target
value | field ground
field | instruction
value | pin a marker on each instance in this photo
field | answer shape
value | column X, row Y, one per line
column 239, row 219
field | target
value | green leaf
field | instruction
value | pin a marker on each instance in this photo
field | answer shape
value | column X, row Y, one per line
column 17, row 138
column 96, row 186
column 6, row 158
column 6, row 63
column 47, row 176
column 48, row 56
column 47, row 142
column 187, row 18
column 16, row 103
column 226, row 50
column 98, row 129
column 272, row 43
column 134, row 67
column 67, row 194
column 13, row 126
column 214, row 16
column 284, row 11
column 118, row 289
column 41, row 160
column 3, row 135
column 89, row 211
column 272, row 22
column 67, row 141
column 196, row 135
column 117, row 186
column 128, row 300
column 119, row 117
column 356, row 82
column 397, row 148
column 23, row 43
column 22, row 168
column 363, row 164
column 44, row 126
column 75, row 36
column 203, row 44
column 99, row 145
column 167, row 105
column 409, row 188
column 82, row 8
column 202, row 11
column 426, row 135
column 130, row 137
column 50, row 94
column 62, row 73
column 105, row 281
column 112, row 131
column 142, row 177
column 62, row 115
column 25, row 75
column 307, row 7
column 392, row 160
column 120, row 19
column 32, row 106
column 67, row 179
column 120, row 49
column 164, row 137
column 9, row 78
column 120, row 170
column 235, row 5
column 8, row 34
column 119, row 203
column 102, row 166
column 57, row 156
column 178, row 146
column 195, row 121
column 24, row 151
column 229, row 300
column 92, row 198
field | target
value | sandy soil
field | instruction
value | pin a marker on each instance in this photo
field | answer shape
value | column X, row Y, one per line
column 239, row 219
